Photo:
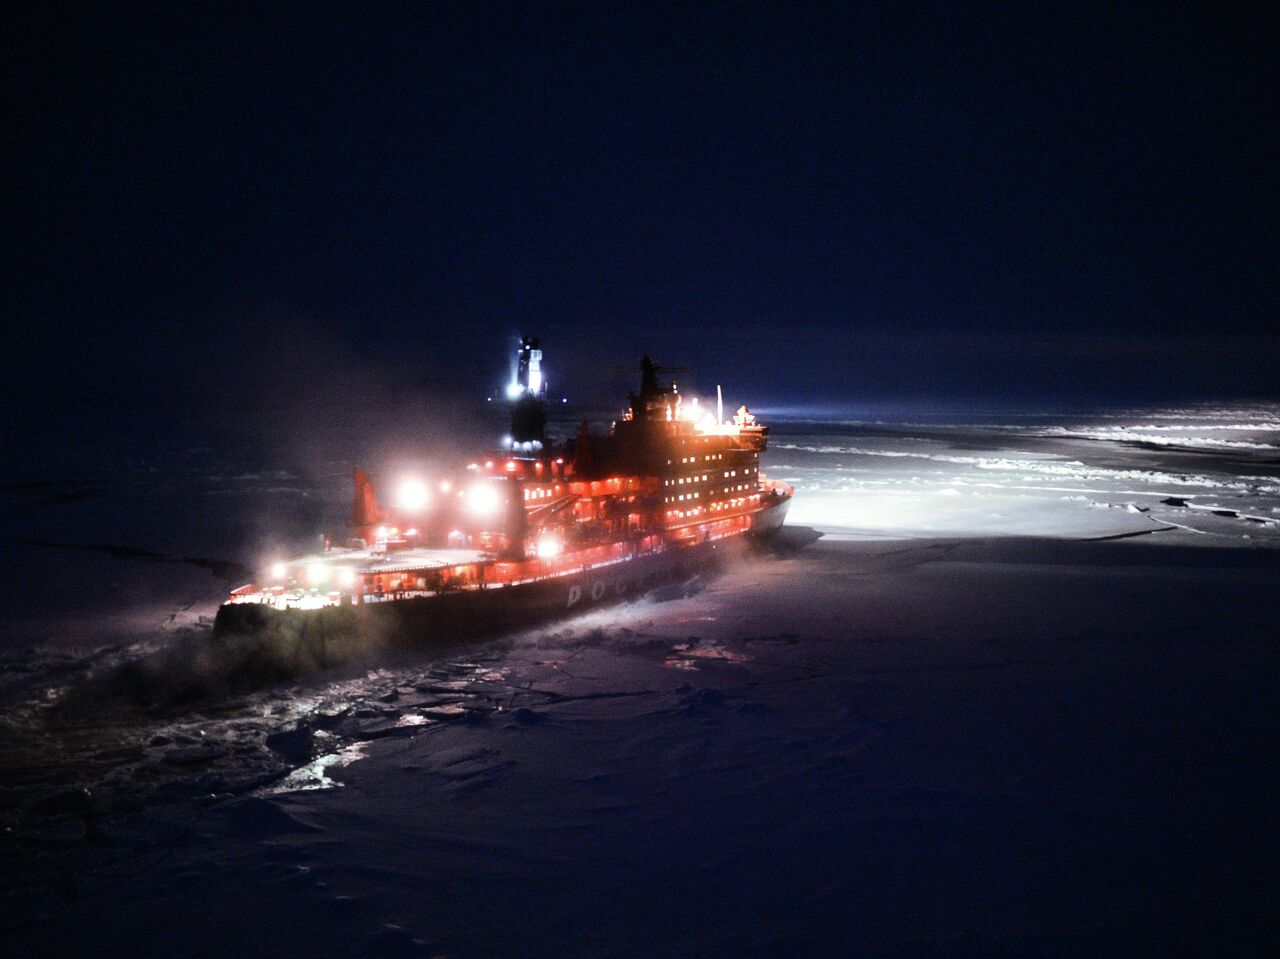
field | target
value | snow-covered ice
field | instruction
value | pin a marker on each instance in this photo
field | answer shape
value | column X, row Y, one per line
column 1003, row 688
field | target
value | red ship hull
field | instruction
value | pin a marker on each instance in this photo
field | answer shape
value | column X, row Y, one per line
column 331, row 631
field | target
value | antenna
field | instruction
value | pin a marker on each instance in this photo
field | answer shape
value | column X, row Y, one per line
column 719, row 406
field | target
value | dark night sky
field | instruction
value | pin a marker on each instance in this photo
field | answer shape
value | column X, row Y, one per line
column 920, row 203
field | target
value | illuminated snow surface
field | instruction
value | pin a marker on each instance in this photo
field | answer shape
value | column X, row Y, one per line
column 1017, row 698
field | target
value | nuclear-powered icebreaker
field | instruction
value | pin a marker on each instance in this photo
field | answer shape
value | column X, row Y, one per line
column 532, row 530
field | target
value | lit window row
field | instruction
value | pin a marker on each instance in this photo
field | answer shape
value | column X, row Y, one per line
column 540, row 493
column 706, row 458
column 732, row 489
column 683, row 513
column 681, row 497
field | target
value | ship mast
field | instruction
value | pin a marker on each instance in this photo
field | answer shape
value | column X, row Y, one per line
column 528, row 392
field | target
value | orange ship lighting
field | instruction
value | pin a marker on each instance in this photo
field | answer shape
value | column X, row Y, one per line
column 483, row 500
column 548, row 547
column 412, row 495
column 346, row 577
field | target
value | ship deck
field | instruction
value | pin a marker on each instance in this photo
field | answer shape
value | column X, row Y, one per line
column 393, row 561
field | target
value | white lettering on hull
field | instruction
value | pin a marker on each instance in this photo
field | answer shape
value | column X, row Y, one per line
column 597, row 591
column 600, row 589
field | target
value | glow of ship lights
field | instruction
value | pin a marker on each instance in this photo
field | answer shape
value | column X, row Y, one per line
column 483, row 499
column 317, row 574
column 279, row 570
column 412, row 495
column 513, row 390
column 346, row 577
column 548, row 547
column 380, row 534
column 704, row 421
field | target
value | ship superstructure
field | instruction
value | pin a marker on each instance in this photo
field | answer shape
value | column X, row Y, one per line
column 535, row 527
